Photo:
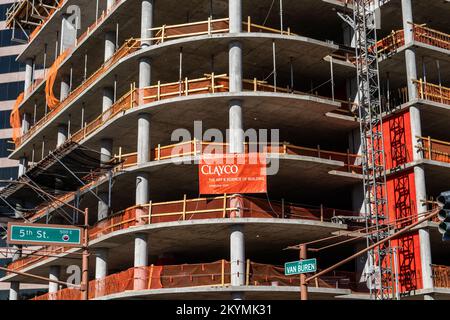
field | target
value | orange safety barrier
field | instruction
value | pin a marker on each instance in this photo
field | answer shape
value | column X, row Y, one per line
column 210, row 26
column 196, row 147
column 435, row 149
column 137, row 97
column 14, row 118
column 215, row 274
column 420, row 33
column 191, row 209
column 36, row 256
column 50, row 98
column 432, row 92
column 209, row 208
column 441, row 276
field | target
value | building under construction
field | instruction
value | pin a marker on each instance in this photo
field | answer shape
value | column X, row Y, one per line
column 357, row 89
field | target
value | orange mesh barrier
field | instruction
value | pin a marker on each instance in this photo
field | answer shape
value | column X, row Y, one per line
column 391, row 43
column 209, row 208
column 114, row 283
column 266, row 275
column 435, row 150
column 52, row 101
column 432, row 92
column 432, row 37
column 196, row 275
column 420, row 33
column 37, row 256
column 441, row 276
column 14, row 118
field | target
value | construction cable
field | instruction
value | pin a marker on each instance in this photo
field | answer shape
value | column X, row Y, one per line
column 268, row 13
column 405, row 219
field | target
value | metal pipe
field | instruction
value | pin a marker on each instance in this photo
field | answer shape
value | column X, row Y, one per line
column 371, row 247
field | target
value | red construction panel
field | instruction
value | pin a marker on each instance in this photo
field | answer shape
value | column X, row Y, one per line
column 402, row 204
column 398, row 144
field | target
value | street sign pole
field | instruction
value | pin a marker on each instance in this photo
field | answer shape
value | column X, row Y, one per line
column 85, row 259
column 303, row 284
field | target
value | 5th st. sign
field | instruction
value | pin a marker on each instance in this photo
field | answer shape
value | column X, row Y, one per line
column 44, row 234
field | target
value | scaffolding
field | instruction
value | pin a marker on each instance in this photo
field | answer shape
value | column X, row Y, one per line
column 373, row 157
column 28, row 16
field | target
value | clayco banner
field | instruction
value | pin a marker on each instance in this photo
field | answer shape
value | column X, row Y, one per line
column 233, row 173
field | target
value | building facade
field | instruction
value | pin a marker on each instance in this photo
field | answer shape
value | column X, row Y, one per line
column 131, row 94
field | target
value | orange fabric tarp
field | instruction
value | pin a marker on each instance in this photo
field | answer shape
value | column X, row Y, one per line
column 14, row 119
column 233, row 173
column 52, row 101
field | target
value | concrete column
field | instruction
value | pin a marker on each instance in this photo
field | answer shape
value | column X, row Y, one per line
column 101, row 270
column 143, row 143
column 144, row 72
column 65, row 89
column 421, row 194
column 410, row 54
column 28, row 74
column 237, row 259
column 106, row 150
column 23, row 166
column 140, row 261
column 62, row 135
column 142, row 188
column 143, row 156
column 102, row 207
column 235, row 66
column 235, row 15
column 106, row 154
column 14, row 290
column 54, row 274
column 101, row 263
column 110, row 44
column 147, row 9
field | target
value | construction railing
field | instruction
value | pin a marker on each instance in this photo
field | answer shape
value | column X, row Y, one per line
column 207, row 27
column 36, row 256
column 216, row 274
column 209, row 208
column 421, row 34
column 128, row 47
column 441, row 276
column 434, row 149
column 191, row 209
column 197, row 147
column 164, row 33
column 432, row 92
column 211, row 83
column 104, row 14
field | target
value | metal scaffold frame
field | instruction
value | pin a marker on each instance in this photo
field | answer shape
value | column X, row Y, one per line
column 372, row 145
column 29, row 14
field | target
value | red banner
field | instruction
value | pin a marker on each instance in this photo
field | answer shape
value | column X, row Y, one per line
column 233, row 173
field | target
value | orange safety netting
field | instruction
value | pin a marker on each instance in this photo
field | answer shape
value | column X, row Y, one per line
column 436, row 150
column 14, row 118
column 52, row 101
column 216, row 274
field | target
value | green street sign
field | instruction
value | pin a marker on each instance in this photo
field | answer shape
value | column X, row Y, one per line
column 299, row 267
column 44, row 234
